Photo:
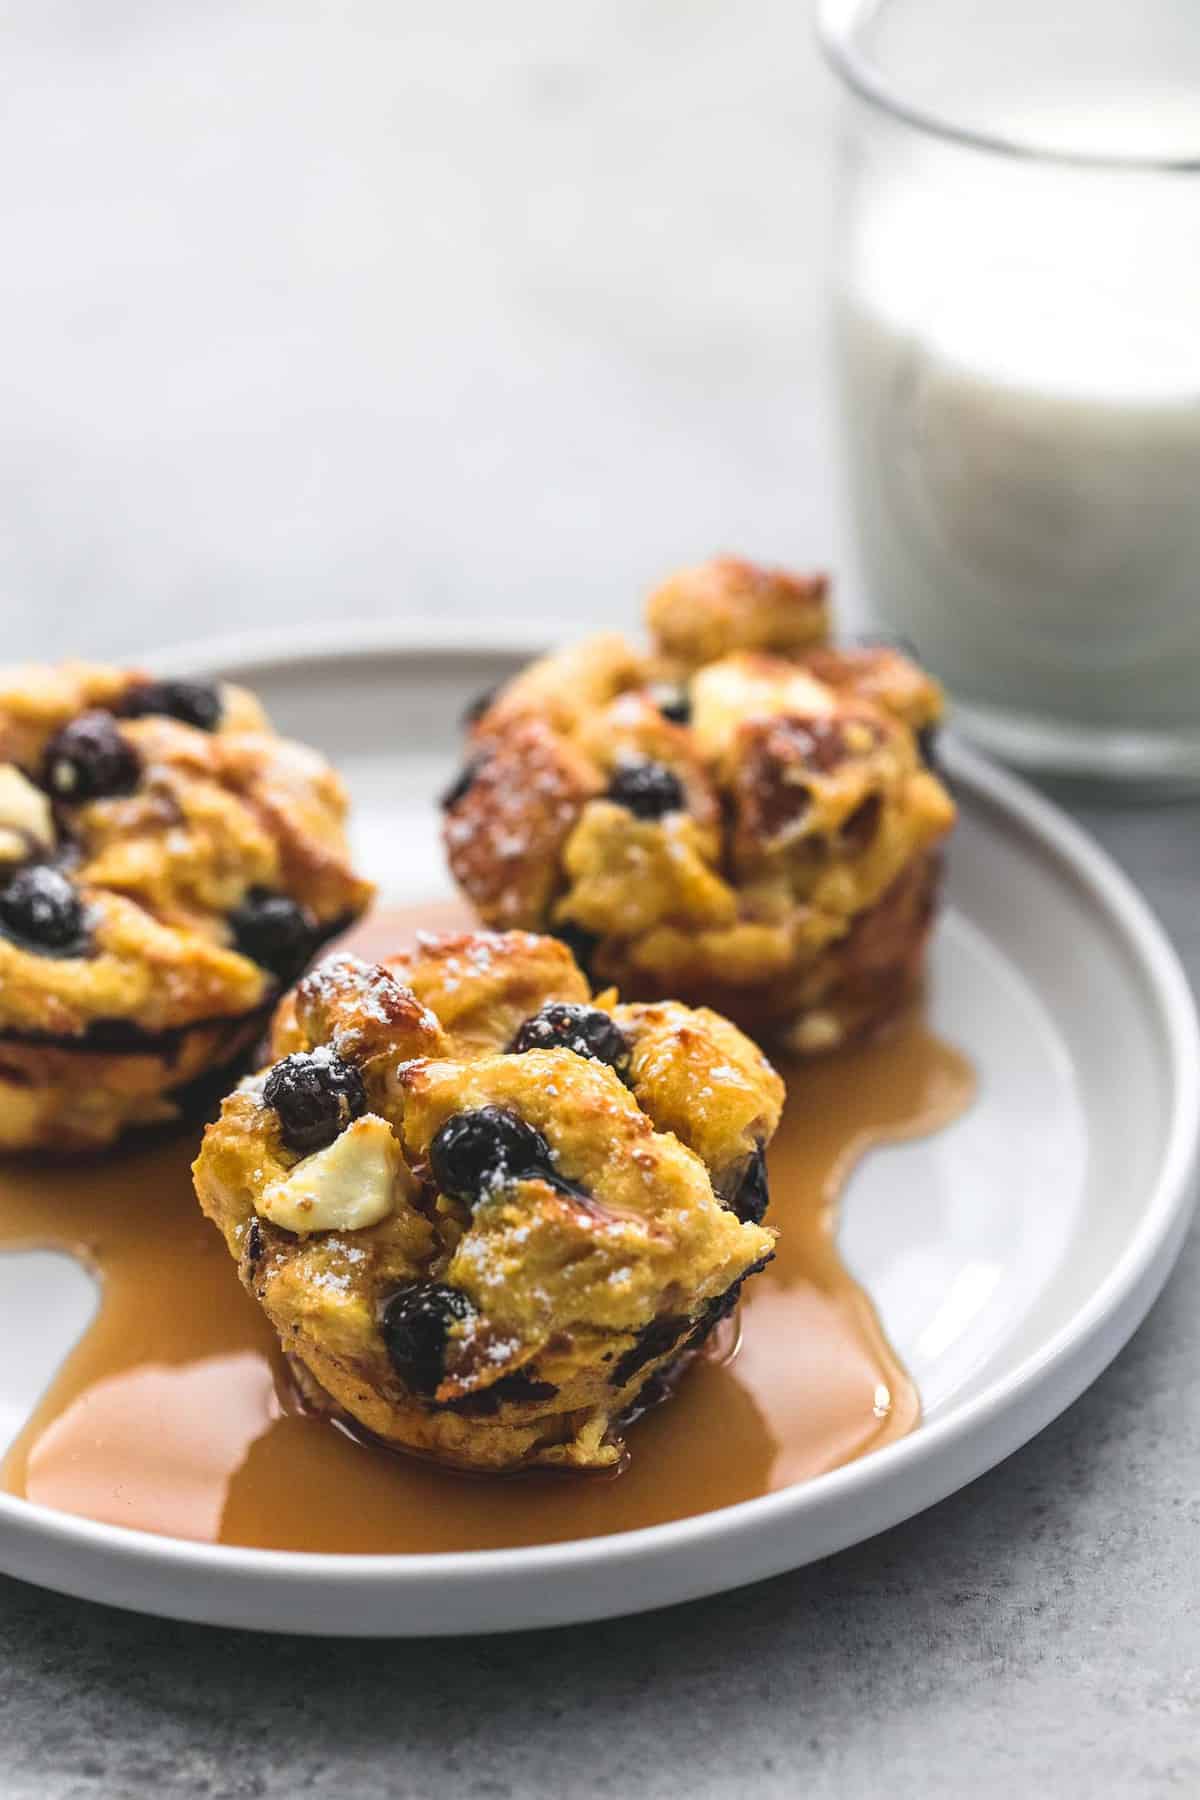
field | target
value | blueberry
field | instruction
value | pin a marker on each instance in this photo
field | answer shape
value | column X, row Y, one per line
column 749, row 1196
column 274, row 931
column 195, row 703
column 563, row 1025
column 673, row 702
column 316, row 1096
column 461, row 785
column 415, row 1325
column 477, row 1150
column 648, row 789
column 40, row 908
column 90, row 760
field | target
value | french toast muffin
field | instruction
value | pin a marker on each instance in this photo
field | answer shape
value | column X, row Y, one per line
column 168, row 865
column 481, row 1208
column 746, row 816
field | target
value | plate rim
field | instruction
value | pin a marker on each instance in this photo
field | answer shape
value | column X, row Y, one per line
column 1078, row 1350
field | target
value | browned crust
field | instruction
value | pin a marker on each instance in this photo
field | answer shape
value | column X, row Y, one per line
column 783, row 774
column 505, row 834
column 806, row 798
column 214, row 815
column 157, row 988
column 850, row 990
column 582, row 1278
column 70, row 1099
column 868, row 977
column 729, row 604
column 882, row 674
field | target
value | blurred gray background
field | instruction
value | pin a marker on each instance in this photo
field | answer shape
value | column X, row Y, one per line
column 384, row 310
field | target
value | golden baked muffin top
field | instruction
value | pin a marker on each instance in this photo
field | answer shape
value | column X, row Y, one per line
column 165, row 857
column 482, row 1208
column 710, row 815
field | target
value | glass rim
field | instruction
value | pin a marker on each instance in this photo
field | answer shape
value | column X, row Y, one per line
column 839, row 24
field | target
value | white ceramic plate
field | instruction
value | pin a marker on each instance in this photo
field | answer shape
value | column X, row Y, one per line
column 1010, row 1256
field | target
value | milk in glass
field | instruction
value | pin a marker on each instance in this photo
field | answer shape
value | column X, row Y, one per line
column 1019, row 347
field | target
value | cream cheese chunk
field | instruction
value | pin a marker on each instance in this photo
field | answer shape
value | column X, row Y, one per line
column 354, row 1182
column 26, row 821
column 744, row 685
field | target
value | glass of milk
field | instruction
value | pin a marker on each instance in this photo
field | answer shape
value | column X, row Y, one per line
column 1017, row 330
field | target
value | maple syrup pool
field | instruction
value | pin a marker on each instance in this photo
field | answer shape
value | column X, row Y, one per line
column 174, row 1412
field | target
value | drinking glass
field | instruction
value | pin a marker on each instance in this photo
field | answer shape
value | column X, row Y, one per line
column 1017, row 350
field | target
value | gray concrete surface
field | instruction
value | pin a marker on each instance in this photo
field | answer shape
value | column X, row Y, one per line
column 376, row 310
